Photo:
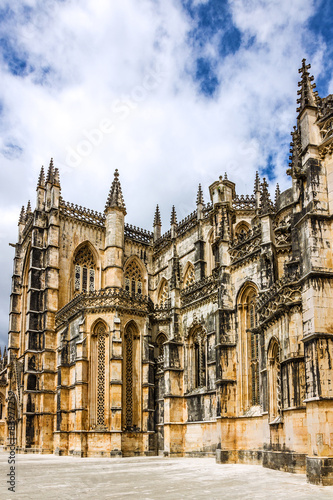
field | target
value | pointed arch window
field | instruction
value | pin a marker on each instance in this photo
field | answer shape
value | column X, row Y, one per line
column 189, row 277
column 98, row 380
column 161, row 339
column 196, row 359
column 133, row 278
column 131, row 395
column 84, row 270
column 248, row 348
column 274, row 375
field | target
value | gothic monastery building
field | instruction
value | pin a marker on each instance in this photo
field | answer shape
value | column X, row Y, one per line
column 212, row 339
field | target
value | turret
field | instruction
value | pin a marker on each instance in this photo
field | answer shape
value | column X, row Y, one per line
column 222, row 191
column 115, row 212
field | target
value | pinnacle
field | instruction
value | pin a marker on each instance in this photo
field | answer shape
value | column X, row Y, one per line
column 56, row 177
column 28, row 211
column 277, row 193
column 225, row 176
column 308, row 97
column 50, row 172
column 200, row 200
column 41, row 178
column 257, row 182
column 266, row 205
column 22, row 215
column 157, row 217
column 173, row 220
column 115, row 198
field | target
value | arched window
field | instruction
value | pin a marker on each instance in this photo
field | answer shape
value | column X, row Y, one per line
column 98, row 395
column 133, row 278
column 189, row 277
column 248, row 348
column 84, row 270
column 242, row 229
column 100, row 330
column 131, row 378
column 274, row 380
column 161, row 338
column 163, row 296
column 196, row 358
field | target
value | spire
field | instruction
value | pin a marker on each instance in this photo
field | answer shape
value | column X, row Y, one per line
column 22, row 216
column 157, row 217
column 41, row 178
column 50, row 172
column 308, row 97
column 277, row 194
column 173, row 220
column 200, row 200
column 266, row 205
column 257, row 182
column 115, row 198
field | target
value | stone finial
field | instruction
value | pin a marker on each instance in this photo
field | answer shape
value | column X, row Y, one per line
column 200, row 200
column 50, row 172
column 257, row 182
column 22, row 216
column 266, row 205
column 225, row 176
column 157, row 217
column 173, row 220
column 28, row 211
column 115, row 198
column 41, row 179
column 308, row 96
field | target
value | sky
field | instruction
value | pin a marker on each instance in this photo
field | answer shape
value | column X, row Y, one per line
column 172, row 93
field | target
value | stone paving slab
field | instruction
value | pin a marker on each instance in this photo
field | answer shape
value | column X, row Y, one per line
column 49, row 477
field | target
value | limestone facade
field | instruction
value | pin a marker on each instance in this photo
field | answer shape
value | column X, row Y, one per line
column 215, row 338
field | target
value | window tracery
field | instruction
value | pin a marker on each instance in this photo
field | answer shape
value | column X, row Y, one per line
column 84, row 270
column 189, row 278
column 133, row 278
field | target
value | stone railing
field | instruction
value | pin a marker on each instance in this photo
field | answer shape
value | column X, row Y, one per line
column 81, row 213
column 200, row 290
column 244, row 202
column 138, row 234
column 100, row 299
column 187, row 223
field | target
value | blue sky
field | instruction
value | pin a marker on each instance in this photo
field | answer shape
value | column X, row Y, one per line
column 188, row 89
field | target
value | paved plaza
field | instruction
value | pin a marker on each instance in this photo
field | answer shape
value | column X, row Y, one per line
column 49, row 477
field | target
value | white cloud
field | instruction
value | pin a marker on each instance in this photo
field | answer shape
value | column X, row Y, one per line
column 99, row 53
